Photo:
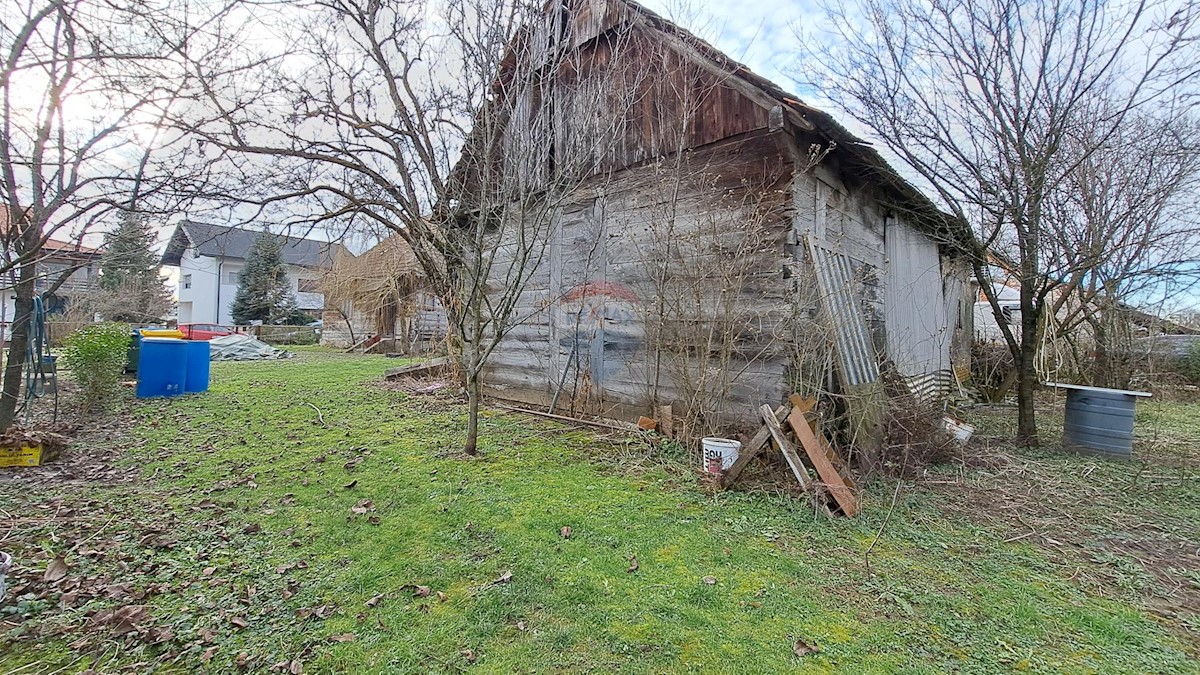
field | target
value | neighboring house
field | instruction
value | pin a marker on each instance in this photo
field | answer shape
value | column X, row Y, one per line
column 80, row 263
column 812, row 279
column 210, row 260
column 378, row 301
column 1008, row 296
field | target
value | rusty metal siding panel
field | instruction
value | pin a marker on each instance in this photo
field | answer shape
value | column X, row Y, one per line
column 836, row 282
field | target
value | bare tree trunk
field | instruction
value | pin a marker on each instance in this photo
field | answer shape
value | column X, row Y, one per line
column 471, row 447
column 1026, row 364
column 18, row 340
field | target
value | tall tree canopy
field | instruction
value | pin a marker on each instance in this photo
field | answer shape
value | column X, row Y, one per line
column 264, row 293
column 132, row 289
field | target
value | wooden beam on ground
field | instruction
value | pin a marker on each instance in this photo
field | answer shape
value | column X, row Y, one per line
column 818, row 453
column 616, row 426
column 753, row 447
column 418, row 369
column 666, row 425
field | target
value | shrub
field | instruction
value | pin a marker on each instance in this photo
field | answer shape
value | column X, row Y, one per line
column 96, row 356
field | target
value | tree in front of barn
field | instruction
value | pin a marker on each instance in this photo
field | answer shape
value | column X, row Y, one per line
column 263, row 292
column 1028, row 119
column 403, row 117
column 131, row 288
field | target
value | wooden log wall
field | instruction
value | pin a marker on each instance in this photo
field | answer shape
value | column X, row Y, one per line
column 661, row 284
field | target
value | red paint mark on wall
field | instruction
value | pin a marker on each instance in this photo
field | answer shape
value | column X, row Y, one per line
column 601, row 289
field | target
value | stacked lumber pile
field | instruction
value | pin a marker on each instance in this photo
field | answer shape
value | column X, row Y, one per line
column 822, row 473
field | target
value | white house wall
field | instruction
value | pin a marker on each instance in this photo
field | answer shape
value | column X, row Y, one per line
column 197, row 304
column 215, row 281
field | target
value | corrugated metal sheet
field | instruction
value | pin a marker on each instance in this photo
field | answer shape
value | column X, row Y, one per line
column 930, row 386
column 835, row 280
column 919, row 332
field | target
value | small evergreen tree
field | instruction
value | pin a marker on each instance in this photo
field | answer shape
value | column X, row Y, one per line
column 131, row 288
column 263, row 292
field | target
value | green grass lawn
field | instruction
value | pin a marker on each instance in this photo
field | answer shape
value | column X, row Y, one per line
column 259, row 537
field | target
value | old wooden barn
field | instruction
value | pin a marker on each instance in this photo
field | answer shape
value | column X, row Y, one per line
column 707, row 240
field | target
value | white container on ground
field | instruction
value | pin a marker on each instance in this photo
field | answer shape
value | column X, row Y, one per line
column 719, row 453
column 959, row 429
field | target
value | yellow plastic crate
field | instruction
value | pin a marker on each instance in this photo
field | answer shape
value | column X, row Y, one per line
column 24, row 456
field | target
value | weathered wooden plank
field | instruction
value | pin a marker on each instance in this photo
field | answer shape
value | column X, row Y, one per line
column 418, row 369
column 842, row 494
column 753, row 447
column 785, row 446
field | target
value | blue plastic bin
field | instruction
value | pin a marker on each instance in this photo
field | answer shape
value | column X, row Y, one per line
column 162, row 367
column 197, row 367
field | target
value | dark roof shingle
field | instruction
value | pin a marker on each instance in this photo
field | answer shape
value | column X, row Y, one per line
column 222, row 241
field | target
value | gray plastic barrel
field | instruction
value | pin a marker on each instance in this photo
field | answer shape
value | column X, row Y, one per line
column 1099, row 421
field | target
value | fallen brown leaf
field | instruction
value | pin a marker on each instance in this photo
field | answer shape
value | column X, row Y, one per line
column 252, row 528
column 442, row 597
column 56, row 570
column 421, row 592
column 633, row 564
column 239, row 622
column 208, row 654
column 504, row 578
column 709, row 580
column 350, row 485
column 242, row 661
column 344, row 637
column 469, row 655
column 375, row 600
column 121, row 620
column 565, row 532
column 363, row 507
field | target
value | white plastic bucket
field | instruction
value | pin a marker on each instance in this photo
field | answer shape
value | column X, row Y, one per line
column 959, row 429
column 719, row 453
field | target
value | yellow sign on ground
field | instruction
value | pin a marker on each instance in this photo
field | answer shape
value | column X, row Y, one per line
column 23, row 456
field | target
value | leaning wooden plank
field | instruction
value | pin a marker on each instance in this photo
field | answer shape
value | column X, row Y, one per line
column 751, row 450
column 415, row 369
column 842, row 494
column 785, row 446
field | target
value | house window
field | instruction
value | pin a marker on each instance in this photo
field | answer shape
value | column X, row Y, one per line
column 187, row 280
column 233, row 277
column 308, row 286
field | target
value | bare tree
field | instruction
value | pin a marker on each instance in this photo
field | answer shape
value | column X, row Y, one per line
column 1126, row 223
column 431, row 120
column 986, row 102
column 84, row 89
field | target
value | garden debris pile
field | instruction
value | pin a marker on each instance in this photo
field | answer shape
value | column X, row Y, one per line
column 49, row 438
column 242, row 347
